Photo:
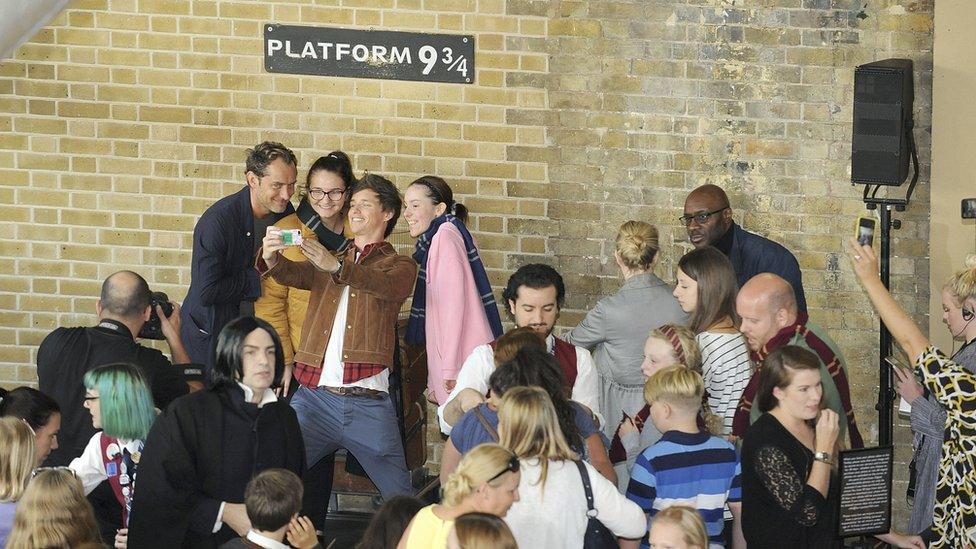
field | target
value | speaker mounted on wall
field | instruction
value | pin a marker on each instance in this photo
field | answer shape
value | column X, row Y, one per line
column 882, row 144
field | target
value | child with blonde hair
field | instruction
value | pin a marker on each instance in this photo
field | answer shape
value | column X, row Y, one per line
column 686, row 466
column 481, row 531
column 16, row 465
column 665, row 346
column 53, row 513
column 678, row 527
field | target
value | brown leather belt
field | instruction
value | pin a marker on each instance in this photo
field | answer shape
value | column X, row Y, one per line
column 355, row 392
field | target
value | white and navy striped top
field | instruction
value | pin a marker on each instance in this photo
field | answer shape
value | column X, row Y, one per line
column 726, row 369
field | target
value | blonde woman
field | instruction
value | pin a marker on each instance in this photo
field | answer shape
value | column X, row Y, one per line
column 16, row 464
column 486, row 481
column 616, row 328
column 53, row 514
column 480, row 531
column 552, row 509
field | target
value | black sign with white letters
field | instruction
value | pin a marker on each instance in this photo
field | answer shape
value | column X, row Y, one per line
column 355, row 53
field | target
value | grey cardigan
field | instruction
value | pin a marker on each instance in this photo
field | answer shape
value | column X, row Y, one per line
column 617, row 327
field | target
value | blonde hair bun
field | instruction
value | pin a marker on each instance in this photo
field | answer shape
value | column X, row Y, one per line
column 637, row 244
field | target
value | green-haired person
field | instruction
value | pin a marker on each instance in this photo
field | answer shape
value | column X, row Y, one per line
column 121, row 405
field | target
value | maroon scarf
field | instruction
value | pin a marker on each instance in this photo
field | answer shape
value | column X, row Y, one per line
column 787, row 336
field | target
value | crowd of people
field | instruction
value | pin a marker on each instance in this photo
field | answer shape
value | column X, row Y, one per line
column 704, row 414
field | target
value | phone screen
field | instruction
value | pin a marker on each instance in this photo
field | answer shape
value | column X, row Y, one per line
column 865, row 231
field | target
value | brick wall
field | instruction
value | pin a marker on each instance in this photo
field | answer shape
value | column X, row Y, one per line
column 124, row 119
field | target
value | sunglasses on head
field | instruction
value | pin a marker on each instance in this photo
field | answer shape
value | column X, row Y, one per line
column 40, row 470
column 512, row 467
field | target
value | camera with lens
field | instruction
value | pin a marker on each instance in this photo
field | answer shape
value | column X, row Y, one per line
column 153, row 329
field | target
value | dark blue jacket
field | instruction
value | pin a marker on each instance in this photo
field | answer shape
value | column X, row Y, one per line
column 222, row 272
column 752, row 254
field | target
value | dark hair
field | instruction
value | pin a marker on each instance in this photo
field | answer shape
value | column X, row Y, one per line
column 272, row 498
column 717, row 286
column 125, row 300
column 508, row 345
column 264, row 154
column 535, row 367
column 228, row 358
column 388, row 194
column 391, row 519
column 28, row 404
column 777, row 372
column 440, row 192
column 336, row 162
column 536, row 276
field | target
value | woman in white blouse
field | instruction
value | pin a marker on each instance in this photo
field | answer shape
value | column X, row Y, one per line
column 121, row 405
column 551, row 511
column 706, row 289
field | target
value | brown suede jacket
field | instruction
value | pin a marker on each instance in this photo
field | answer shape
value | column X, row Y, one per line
column 378, row 286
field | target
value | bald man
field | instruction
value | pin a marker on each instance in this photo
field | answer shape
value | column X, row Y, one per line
column 708, row 220
column 770, row 320
column 66, row 354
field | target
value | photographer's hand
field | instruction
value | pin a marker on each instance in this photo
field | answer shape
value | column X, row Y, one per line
column 170, row 326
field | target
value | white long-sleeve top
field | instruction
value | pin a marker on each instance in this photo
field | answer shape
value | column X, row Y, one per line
column 726, row 370
column 479, row 365
column 89, row 466
column 554, row 514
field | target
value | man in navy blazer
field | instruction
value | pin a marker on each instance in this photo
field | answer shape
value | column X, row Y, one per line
column 708, row 220
column 223, row 281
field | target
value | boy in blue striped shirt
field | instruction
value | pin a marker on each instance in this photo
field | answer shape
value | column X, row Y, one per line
column 687, row 466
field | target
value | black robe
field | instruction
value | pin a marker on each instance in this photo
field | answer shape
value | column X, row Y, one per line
column 183, row 470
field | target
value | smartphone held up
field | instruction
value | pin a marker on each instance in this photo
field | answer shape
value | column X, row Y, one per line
column 864, row 230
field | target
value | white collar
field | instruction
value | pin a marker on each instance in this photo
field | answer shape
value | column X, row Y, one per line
column 268, row 396
column 550, row 342
column 264, row 541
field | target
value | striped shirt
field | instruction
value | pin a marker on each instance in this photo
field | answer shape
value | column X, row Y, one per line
column 726, row 370
column 697, row 470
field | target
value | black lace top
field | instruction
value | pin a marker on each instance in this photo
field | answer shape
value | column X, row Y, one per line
column 779, row 509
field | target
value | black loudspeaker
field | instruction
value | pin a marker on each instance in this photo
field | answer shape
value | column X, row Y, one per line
column 882, row 143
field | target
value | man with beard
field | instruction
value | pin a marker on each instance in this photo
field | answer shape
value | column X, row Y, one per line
column 708, row 220
column 770, row 320
column 534, row 295
column 223, row 281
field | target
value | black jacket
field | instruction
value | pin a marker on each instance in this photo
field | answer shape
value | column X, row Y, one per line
column 222, row 273
column 180, row 485
column 752, row 254
column 64, row 357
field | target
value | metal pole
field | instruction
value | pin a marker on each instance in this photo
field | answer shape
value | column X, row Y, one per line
column 885, row 391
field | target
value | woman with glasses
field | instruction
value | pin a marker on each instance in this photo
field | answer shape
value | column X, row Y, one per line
column 486, row 481
column 616, row 329
column 206, row 446
column 41, row 414
column 552, row 508
column 121, row 405
column 16, row 464
column 54, row 514
column 453, row 309
column 321, row 216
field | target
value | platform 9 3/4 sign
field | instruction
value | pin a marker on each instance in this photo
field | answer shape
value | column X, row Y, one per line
column 388, row 55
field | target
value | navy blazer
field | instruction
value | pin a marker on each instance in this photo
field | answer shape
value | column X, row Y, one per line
column 752, row 254
column 222, row 272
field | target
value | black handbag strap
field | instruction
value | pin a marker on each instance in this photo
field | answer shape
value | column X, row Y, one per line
column 585, row 476
column 484, row 423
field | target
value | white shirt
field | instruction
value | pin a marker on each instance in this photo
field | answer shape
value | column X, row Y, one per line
column 264, row 541
column 89, row 467
column 332, row 364
column 479, row 365
column 554, row 514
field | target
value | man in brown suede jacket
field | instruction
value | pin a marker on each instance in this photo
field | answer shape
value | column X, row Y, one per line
column 348, row 339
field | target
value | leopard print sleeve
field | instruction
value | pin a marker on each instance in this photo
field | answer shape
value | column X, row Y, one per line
column 788, row 490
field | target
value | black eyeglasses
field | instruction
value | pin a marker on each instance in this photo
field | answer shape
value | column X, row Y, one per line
column 334, row 195
column 701, row 218
column 89, row 399
column 512, row 467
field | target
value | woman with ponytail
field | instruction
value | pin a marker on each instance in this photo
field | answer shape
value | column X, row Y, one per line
column 928, row 417
column 615, row 330
column 321, row 216
column 486, row 481
column 453, row 309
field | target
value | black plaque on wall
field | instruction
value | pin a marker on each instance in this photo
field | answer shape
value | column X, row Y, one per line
column 356, row 53
column 865, row 491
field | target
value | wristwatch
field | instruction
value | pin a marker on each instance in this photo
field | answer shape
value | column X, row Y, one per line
column 822, row 456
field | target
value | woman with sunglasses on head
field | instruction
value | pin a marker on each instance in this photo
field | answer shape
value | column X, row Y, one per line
column 206, row 446
column 321, row 216
column 552, row 507
column 40, row 412
column 486, row 480
column 54, row 514
column 16, row 465
column 453, row 309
